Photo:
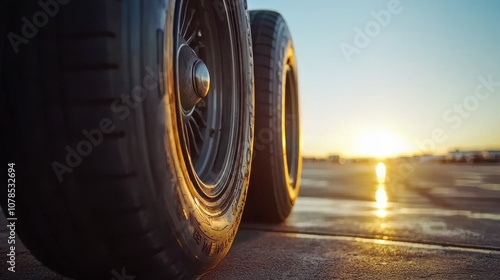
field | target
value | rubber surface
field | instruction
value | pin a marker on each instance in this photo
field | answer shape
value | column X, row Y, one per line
column 272, row 193
column 89, row 124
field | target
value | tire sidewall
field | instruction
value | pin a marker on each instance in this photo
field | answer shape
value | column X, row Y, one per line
column 285, row 54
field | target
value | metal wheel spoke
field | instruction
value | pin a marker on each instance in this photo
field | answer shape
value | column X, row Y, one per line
column 193, row 141
column 198, row 118
column 186, row 28
column 182, row 26
column 188, row 142
column 193, row 34
column 197, row 131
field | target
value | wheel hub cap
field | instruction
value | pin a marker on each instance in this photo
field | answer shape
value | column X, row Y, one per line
column 194, row 78
column 201, row 78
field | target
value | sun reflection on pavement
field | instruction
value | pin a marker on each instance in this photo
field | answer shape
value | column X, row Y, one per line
column 381, row 201
column 381, row 171
column 381, row 194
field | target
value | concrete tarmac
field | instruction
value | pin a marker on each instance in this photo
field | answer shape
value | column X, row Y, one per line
column 430, row 221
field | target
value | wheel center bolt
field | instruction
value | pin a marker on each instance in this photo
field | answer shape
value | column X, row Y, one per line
column 201, row 79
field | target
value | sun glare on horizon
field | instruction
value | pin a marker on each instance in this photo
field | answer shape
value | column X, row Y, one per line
column 381, row 145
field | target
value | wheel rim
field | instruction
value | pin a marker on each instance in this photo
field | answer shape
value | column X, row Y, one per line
column 208, row 106
column 291, row 117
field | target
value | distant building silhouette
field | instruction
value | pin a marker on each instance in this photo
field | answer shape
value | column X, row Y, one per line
column 473, row 156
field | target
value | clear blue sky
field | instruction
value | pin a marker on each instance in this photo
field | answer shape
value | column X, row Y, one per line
column 395, row 91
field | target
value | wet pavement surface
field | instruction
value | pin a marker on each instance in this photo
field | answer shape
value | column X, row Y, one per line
column 438, row 204
column 431, row 221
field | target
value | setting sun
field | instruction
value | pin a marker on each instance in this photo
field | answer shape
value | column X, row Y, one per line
column 380, row 145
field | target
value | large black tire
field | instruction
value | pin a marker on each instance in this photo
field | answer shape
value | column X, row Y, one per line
column 124, row 196
column 275, row 178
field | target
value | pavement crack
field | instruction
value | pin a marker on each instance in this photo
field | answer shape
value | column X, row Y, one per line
column 385, row 240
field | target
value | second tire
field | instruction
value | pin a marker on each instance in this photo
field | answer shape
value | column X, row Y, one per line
column 276, row 168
